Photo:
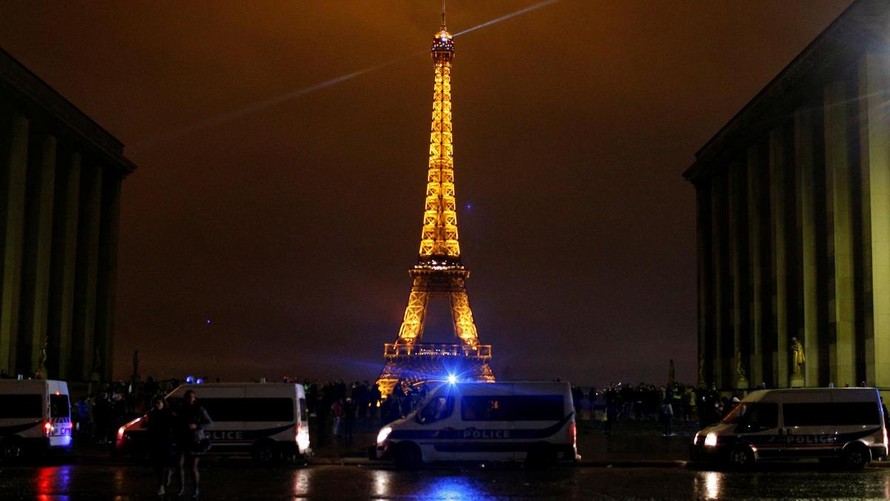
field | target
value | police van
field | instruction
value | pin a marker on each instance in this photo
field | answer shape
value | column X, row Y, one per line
column 838, row 424
column 266, row 420
column 35, row 417
column 481, row 422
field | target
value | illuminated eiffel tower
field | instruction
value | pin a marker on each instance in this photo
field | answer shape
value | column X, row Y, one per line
column 438, row 272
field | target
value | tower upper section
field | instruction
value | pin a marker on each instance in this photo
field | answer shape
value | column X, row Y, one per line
column 439, row 235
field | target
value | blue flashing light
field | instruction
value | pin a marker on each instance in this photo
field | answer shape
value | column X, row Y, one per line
column 452, row 379
column 189, row 379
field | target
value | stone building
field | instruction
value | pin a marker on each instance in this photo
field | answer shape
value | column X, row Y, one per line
column 793, row 218
column 60, row 182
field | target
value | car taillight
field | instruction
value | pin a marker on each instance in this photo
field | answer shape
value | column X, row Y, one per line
column 301, row 436
column 573, row 433
column 48, row 428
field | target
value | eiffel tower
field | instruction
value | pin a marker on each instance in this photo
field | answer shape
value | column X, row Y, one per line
column 438, row 273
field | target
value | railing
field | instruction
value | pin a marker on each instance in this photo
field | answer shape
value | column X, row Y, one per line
column 482, row 351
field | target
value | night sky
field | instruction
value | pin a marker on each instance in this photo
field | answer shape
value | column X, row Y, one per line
column 282, row 153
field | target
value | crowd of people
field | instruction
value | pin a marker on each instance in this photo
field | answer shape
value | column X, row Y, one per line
column 647, row 402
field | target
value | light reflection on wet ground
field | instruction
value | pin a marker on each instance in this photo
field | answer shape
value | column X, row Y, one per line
column 243, row 480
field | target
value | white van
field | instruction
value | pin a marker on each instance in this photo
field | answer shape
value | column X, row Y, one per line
column 35, row 417
column 479, row 422
column 266, row 420
column 845, row 424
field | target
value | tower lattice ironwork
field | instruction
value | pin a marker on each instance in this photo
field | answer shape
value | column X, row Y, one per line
column 438, row 272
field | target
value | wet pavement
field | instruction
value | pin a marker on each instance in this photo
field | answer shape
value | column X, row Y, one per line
column 242, row 480
column 635, row 462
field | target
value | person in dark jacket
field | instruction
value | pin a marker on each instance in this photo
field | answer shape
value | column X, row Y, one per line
column 191, row 420
column 159, row 426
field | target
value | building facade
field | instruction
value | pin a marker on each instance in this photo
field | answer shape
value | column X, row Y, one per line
column 60, row 186
column 793, row 220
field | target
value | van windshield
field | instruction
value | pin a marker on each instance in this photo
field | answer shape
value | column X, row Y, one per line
column 754, row 416
column 738, row 413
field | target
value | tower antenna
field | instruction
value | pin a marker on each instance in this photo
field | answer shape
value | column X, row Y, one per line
column 443, row 14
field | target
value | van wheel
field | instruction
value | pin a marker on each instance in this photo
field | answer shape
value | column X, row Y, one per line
column 266, row 454
column 407, row 456
column 855, row 456
column 11, row 449
column 741, row 457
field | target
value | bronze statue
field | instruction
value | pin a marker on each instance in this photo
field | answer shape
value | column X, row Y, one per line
column 797, row 356
column 41, row 362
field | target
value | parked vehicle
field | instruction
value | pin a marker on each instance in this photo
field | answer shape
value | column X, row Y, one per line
column 480, row 422
column 266, row 420
column 843, row 424
column 35, row 417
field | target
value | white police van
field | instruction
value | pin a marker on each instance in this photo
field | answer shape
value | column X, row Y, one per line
column 35, row 417
column 266, row 420
column 839, row 424
column 481, row 422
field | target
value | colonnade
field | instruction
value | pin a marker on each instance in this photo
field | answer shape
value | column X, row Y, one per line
column 793, row 217
column 60, row 186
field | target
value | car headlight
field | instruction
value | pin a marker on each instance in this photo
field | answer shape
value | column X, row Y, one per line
column 384, row 434
column 711, row 440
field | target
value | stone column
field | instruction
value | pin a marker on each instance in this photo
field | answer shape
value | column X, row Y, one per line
column 37, row 261
column 107, row 280
column 756, row 272
column 778, row 219
column 806, row 193
column 875, row 157
column 718, row 255
column 738, row 254
column 91, row 364
column 838, row 185
column 13, row 165
column 66, row 220
column 705, row 278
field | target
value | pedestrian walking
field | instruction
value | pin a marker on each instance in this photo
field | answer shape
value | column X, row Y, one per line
column 337, row 413
column 667, row 418
column 159, row 426
column 191, row 420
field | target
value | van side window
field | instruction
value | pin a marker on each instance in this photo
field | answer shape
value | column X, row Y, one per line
column 21, row 406
column 248, row 409
column 831, row 413
column 513, row 408
column 857, row 413
column 437, row 408
column 304, row 411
